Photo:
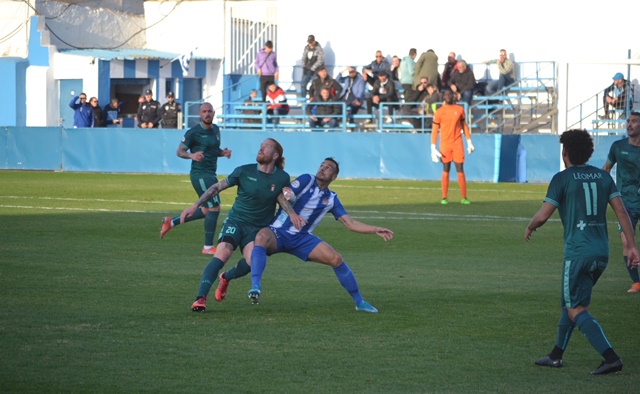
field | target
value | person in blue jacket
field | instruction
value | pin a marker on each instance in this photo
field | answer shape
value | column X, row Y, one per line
column 83, row 116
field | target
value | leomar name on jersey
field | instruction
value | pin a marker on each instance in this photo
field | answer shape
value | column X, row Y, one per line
column 581, row 176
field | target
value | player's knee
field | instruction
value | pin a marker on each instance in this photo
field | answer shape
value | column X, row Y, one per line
column 335, row 260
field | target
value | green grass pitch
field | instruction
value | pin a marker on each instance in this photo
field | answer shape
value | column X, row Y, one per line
column 91, row 300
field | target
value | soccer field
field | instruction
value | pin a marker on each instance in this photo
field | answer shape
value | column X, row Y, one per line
column 93, row 301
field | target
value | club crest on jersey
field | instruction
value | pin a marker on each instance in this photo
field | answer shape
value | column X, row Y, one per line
column 273, row 187
column 325, row 201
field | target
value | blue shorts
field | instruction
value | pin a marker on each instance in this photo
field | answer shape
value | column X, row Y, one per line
column 300, row 245
column 578, row 279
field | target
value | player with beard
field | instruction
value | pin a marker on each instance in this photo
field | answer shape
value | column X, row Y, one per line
column 259, row 187
column 201, row 145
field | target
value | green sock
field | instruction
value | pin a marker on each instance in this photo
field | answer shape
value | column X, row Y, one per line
column 633, row 272
column 209, row 276
column 196, row 215
column 210, row 222
column 565, row 328
column 241, row 269
column 592, row 331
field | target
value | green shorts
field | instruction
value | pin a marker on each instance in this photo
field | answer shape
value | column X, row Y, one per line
column 237, row 234
column 578, row 279
column 200, row 185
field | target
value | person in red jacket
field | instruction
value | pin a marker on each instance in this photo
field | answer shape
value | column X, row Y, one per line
column 276, row 103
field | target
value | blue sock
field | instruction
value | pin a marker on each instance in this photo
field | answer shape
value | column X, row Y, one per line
column 209, row 276
column 348, row 281
column 210, row 222
column 241, row 269
column 592, row 331
column 196, row 215
column 633, row 273
column 565, row 328
column 258, row 264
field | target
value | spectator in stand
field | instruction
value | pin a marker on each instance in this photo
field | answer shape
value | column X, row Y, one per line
column 276, row 103
column 83, row 115
column 384, row 91
column 318, row 113
column 353, row 86
column 427, row 66
column 507, row 74
column 616, row 96
column 267, row 67
column 170, row 111
column 252, row 101
column 449, row 67
column 324, row 81
column 413, row 99
column 394, row 72
column 97, row 112
column 312, row 60
column 370, row 72
column 111, row 113
column 462, row 83
column 429, row 105
column 149, row 112
column 407, row 71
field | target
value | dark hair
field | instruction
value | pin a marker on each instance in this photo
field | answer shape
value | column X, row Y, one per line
column 321, row 68
column 635, row 113
column 331, row 159
column 280, row 160
column 269, row 44
column 578, row 145
column 413, row 51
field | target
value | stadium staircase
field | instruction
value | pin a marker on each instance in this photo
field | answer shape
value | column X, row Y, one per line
column 590, row 115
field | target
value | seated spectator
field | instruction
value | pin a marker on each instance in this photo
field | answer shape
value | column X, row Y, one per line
column 370, row 72
column 449, row 67
column 384, row 91
column 97, row 112
column 394, row 72
column 276, row 103
column 462, row 83
column 324, row 81
column 252, row 101
column 617, row 96
column 429, row 104
column 111, row 113
column 413, row 99
column 352, row 90
column 318, row 113
column 507, row 74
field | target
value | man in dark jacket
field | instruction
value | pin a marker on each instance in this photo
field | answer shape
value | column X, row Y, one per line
column 384, row 90
column 324, row 114
column 463, row 82
column 149, row 112
column 312, row 60
column 170, row 111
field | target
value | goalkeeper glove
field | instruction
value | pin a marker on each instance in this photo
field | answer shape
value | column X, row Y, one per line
column 435, row 155
column 470, row 147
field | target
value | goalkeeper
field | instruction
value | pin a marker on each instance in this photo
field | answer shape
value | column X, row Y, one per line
column 449, row 120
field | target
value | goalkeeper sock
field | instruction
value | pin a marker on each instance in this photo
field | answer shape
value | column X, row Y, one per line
column 348, row 281
column 462, row 182
column 445, row 184
column 198, row 214
column 241, row 269
column 209, row 275
column 210, row 222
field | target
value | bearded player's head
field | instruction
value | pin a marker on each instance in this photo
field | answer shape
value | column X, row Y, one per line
column 271, row 152
column 206, row 114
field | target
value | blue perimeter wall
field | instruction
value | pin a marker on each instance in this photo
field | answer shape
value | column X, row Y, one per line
column 498, row 158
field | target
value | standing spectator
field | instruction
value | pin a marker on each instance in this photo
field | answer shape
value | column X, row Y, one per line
column 395, row 72
column 97, row 112
column 83, row 115
column 449, row 67
column 324, row 81
column 170, row 111
column 267, row 67
column 617, row 96
column 111, row 113
column 149, row 112
column 463, row 82
column 371, row 71
column 625, row 154
column 449, row 120
column 201, row 145
column 252, row 101
column 276, row 103
column 352, row 90
column 507, row 74
column 325, row 114
column 427, row 66
column 407, row 70
column 312, row 60
column 384, row 91
column 581, row 194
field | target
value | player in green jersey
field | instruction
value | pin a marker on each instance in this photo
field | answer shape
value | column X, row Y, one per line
column 201, row 145
column 259, row 187
column 581, row 193
column 626, row 154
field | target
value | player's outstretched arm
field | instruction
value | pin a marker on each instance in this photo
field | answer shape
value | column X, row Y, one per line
column 630, row 248
column 364, row 228
column 540, row 218
column 283, row 201
column 212, row 191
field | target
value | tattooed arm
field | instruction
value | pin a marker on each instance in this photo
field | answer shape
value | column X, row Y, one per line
column 297, row 221
column 213, row 191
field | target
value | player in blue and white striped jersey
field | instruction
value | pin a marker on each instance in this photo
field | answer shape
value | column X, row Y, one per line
column 313, row 200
